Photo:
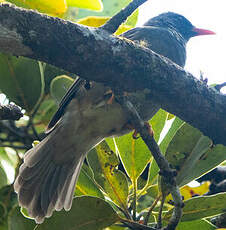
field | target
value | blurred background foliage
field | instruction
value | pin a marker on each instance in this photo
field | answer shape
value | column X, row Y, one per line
column 119, row 178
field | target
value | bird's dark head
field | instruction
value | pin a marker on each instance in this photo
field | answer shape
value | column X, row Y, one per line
column 179, row 23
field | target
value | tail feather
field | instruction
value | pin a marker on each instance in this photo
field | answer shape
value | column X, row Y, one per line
column 70, row 190
column 45, row 199
column 44, row 185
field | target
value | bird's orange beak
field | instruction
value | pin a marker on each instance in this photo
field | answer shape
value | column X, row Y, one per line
column 199, row 31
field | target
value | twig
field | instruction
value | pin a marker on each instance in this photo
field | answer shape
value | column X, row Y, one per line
column 151, row 209
column 10, row 112
column 165, row 170
column 159, row 222
column 112, row 25
column 134, row 199
column 134, row 225
column 218, row 87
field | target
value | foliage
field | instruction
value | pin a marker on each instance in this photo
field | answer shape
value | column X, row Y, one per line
column 111, row 186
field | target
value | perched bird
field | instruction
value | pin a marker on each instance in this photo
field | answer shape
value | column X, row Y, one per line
column 47, row 178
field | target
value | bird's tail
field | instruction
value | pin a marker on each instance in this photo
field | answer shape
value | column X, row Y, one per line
column 43, row 185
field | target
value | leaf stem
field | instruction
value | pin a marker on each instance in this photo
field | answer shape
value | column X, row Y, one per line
column 134, row 199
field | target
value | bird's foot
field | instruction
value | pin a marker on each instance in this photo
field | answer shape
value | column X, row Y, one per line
column 150, row 130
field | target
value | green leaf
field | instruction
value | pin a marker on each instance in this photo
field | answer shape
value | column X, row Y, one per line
column 103, row 162
column 192, row 154
column 3, row 177
column 201, row 207
column 134, row 154
column 110, row 8
column 87, row 213
column 95, row 21
column 86, row 4
column 20, row 80
column 86, row 186
column 16, row 221
column 196, row 224
column 158, row 123
column 177, row 123
column 59, row 86
column 154, row 169
column 9, row 155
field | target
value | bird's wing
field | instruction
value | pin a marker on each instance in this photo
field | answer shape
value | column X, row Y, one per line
column 78, row 83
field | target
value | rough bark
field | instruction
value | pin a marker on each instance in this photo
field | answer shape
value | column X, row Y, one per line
column 96, row 55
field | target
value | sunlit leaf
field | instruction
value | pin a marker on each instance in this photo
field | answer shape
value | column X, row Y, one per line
column 9, row 155
column 86, row 186
column 103, row 162
column 110, row 8
column 154, row 169
column 95, row 21
column 56, row 7
column 87, row 213
column 203, row 206
column 188, row 192
column 177, row 123
column 86, row 4
column 192, row 154
column 20, row 80
column 158, row 122
column 135, row 154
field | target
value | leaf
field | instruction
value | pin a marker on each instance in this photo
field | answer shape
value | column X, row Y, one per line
column 3, row 177
column 95, row 21
column 86, row 4
column 158, row 123
column 134, row 154
column 9, row 155
column 188, row 192
column 196, row 224
column 59, row 87
column 103, row 162
column 110, row 8
column 20, row 80
column 192, row 154
column 54, row 8
column 16, row 221
column 177, row 123
column 50, row 73
column 154, row 169
column 201, row 207
column 87, row 213
column 86, row 186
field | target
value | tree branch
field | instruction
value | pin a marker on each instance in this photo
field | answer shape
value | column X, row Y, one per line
column 166, row 172
column 113, row 61
column 112, row 25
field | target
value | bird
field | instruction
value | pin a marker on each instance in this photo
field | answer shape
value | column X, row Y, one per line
column 47, row 178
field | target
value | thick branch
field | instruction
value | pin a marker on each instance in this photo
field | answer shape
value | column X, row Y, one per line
column 96, row 55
